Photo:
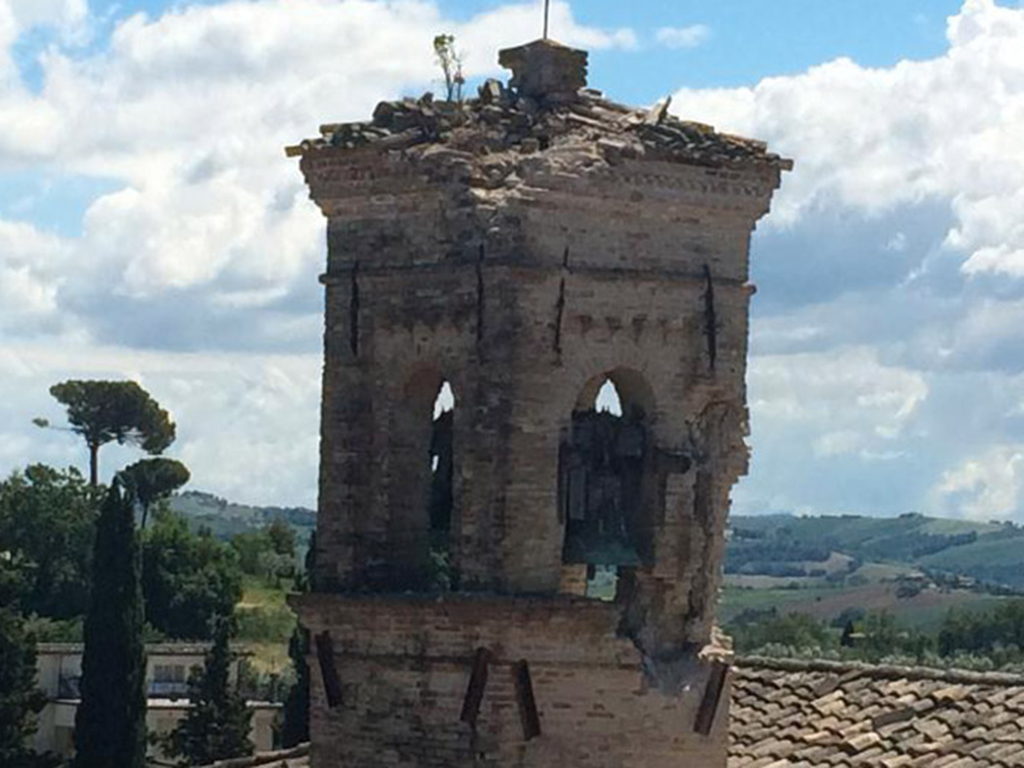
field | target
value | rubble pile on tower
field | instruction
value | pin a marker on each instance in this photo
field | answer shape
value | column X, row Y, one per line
column 501, row 121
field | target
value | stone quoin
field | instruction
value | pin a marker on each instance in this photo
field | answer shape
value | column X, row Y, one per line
column 523, row 572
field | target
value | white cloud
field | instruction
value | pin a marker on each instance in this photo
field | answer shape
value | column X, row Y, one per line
column 873, row 140
column 208, row 241
column 879, row 314
column 191, row 111
column 68, row 18
column 844, row 401
column 33, row 265
column 683, row 37
column 987, row 487
column 247, row 424
column 62, row 14
column 898, row 236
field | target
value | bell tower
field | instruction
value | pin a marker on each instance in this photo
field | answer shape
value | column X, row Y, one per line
column 533, row 413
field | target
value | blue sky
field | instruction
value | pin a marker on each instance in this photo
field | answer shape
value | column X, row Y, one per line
column 747, row 40
column 151, row 227
column 751, row 38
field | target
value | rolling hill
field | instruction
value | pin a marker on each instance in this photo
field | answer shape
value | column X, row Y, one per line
column 226, row 518
column 786, row 545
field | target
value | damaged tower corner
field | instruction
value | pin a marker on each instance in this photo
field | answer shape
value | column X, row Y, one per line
column 511, row 569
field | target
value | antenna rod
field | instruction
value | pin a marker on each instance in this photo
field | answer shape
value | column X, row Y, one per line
column 547, row 14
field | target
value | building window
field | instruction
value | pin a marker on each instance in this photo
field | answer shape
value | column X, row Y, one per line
column 169, row 680
column 68, row 687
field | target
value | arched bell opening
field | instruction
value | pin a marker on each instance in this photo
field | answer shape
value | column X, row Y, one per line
column 422, row 483
column 604, row 481
column 440, row 504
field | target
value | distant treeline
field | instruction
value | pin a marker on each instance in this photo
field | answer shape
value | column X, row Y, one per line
column 188, row 577
column 789, row 546
column 755, row 552
column 992, row 639
column 226, row 519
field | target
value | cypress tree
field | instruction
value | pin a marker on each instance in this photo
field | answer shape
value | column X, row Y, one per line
column 110, row 725
column 217, row 724
column 296, row 707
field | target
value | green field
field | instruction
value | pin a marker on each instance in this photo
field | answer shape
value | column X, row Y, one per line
column 265, row 624
column 982, row 553
column 766, row 545
column 924, row 611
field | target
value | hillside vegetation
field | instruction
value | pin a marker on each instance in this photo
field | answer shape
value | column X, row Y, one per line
column 789, row 546
column 226, row 519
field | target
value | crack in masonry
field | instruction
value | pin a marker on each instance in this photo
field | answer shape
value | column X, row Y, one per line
column 560, row 305
column 480, row 298
column 710, row 318
column 353, row 312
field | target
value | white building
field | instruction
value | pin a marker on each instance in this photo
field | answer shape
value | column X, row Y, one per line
column 59, row 670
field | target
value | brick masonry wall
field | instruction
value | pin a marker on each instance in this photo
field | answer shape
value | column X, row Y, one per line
column 525, row 258
column 515, row 394
column 405, row 664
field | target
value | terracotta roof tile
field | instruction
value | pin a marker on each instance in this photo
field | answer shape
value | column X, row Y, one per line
column 787, row 714
column 879, row 717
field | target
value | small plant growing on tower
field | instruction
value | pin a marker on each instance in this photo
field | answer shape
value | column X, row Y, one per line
column 450, row 61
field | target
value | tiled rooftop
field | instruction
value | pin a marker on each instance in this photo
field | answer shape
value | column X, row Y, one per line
column 818, row 714
column 297, row 757
column 152, row 649
column 792, row 714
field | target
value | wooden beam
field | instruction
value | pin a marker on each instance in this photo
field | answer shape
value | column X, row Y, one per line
column 475, row 690
column 328, row 670
column 527, row 703
column 712, row 696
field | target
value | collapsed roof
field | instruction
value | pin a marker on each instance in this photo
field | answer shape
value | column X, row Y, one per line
column 542, row 110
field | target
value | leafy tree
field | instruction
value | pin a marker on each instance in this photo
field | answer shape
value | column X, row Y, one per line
column 152, row 480
column 847, row 616
column 47, row 519
column 450, row 61
column 884, row 637
column 268, row 552
column 188, row 578
column 846, row 639
column 47, row 526
column 249, row 546
column 274, row 567
column 110, row 725
column 20, row 700
column 983, row 631
column 282, row 537
column 105, row 411
column 796, row 631
column 217, row 724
